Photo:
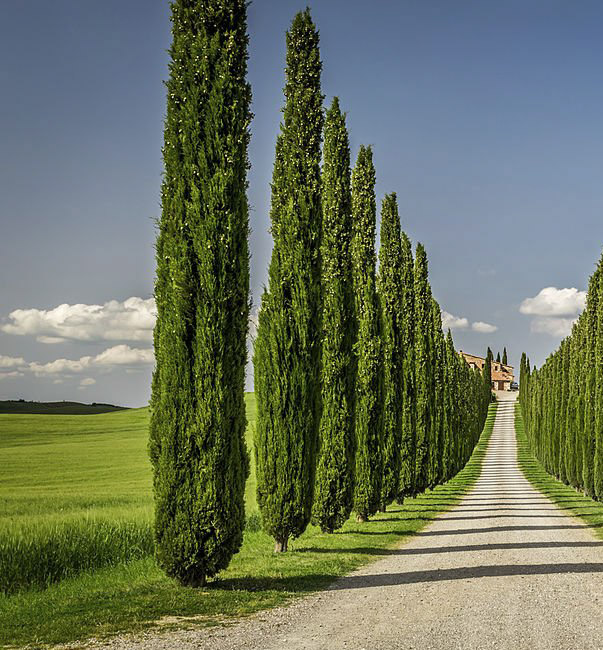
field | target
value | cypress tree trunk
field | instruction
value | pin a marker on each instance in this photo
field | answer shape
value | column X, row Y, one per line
column 334, row 490
column 408, row 445
column 368, row 414
column 287, row 347
column 423, row 383
column 196, row 445
column 391, row 292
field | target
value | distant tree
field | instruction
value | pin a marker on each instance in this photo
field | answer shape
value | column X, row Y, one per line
column 489, row 355
column 369, row 387
column 287, row 347
column 334, row 489
column 504, row 357
column 487, row 375
column 198, row 422
column 498, row 357
column 391, row 293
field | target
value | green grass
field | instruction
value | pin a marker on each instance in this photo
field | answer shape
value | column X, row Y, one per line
column 132, row 596
column 565, row 496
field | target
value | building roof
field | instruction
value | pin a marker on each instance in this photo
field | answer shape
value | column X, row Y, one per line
column 500, row 372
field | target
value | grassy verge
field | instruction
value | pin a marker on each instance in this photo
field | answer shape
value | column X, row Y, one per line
column 136, row 595
column 566, row 497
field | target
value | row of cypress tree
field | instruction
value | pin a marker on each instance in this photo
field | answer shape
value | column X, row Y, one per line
column 361, row 399
column 562, row 401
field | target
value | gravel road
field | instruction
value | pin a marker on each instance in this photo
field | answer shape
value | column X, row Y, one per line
column 505, row 569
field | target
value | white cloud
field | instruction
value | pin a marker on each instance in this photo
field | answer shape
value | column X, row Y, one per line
column 88, row 381
column 11, row 362
column 124, row 355
column 483, row 328
column 557, row 327
column 130, row 320
column 12, row 373
column 118, row 355
column 449, row 321
column 555, row 302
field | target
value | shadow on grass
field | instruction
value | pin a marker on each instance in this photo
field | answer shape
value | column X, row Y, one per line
column 310, row 582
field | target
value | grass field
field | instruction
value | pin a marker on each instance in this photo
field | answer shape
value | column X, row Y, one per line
column 566, row 497
column 80, row 487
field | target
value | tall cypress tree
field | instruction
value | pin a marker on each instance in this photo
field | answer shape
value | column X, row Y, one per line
column 598, row 370
column 196, row 445
column 408, row 444
column 588, row 449
column 287, row 347
column 368, row 412
column 487, row 375
column 438, row 360
column 334, row 491
column 391, row 291
column 504, row 356
column 498, row 357
column 423, row 369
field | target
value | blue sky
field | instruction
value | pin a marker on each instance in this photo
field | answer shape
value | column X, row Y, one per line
column 485, row 118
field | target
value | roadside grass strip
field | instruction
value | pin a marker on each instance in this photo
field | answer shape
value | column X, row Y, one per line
column 565, row 496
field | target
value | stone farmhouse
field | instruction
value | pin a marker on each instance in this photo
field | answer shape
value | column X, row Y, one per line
column 502, row 375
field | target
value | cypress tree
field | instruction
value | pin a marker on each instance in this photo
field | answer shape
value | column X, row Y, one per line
column 423, row 369
column 504, row 357
column 487, row 375
column 498, row 357
column 334, row 493
column 197, row 428
column 588, row 449
column 368, row 412
column 598, row 397
column 438, row 353
column 390, row 284
column 287, row 347
column 407, row 316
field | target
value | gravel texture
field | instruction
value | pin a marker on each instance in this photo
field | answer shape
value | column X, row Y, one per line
column 505, row 569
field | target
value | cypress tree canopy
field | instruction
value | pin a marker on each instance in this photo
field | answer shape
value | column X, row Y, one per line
column 368, row 414
column 335, row 471
column 391, row 293
column 407, row 317
column 198, row 420
column 287, row 347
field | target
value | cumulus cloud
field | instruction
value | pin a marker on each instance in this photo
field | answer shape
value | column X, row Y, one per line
column 11, row 362
column 118, row 355
column 130, row 320
column 449, row 321
column 483, row 328
column 557, row 327
column 551, row 301
column 12, row 373
column 88, row 381
column 124, row 355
